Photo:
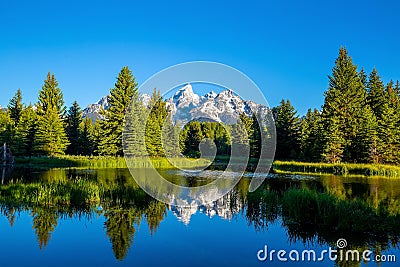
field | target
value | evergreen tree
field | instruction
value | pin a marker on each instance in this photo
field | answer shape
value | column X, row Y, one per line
column 222, row 139
column 311, row 138
column 25, row 132
column 388, row 133
column 86, row 141
column 95, row 136
column 191, row 135
column 51, row 97
column 73, row 120
column 50, row 136
column 376, row 93
column 15, row 107
column 254, row 133
column 6, row 128
column 135, row 129
column 345, row 112
column 365, row 132
column 255, row 137
column 170, row 137
column 287, row 131
column 119, row 99
column 154, row 125
column 363, row 77
column 239, row 137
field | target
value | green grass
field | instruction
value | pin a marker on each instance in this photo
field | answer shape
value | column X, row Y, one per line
column 77, row 193
column 327, row 212
column 337, row 168
column 107, row 162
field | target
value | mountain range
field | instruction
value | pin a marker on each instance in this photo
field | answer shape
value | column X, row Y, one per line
column 185, row 105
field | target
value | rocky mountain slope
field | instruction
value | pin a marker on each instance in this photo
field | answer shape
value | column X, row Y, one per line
column 185, row 105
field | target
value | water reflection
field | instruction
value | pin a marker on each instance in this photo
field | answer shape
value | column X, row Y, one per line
column 317, row 209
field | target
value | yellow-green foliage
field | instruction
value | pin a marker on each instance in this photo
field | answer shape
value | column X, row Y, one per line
column 78, row 192
column 109, row 162
column 337, row 168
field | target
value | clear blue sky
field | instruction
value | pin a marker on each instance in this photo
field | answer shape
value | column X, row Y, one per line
column 287, row 47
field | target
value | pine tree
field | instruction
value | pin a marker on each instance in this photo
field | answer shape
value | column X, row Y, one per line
column 376, row 93
column 119, row 99
column 287, row 131
column 25, row 132
column 73, row 120
column 96, row 136
column 154, row 125
column 345, row 112
column 255, row 138
column 6, row 128
column 192, row 136
column 51, row 97
column 253, row 130
column 86, row 141
column 15, row 107
column 222, row 139
column 50, row 137
column 363, row 77
column 311, row 137
column 365, row 132
column 170, row 137
column 388, row 133
column 239, row 138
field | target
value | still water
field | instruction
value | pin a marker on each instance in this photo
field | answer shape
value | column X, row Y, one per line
column 100, row 217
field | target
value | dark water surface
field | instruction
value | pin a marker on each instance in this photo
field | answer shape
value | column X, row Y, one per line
column 100, row 217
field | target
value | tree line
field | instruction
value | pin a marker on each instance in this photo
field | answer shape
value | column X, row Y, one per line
column 359, row 121
column 47, row 128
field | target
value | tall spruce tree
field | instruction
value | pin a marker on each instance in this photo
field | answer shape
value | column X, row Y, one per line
column 96, row 136
column 85, row 139
column 26, row 130
column 50, row 136
column 51, row 97
column 388, row 131
column 222, row 139
column 287, row 131
column 191, row 135
column 119, row 100
column 15, row 107
column 376, row 93
column 311, row 137
column 345, row 112
column 73, row 121
column 154, row 125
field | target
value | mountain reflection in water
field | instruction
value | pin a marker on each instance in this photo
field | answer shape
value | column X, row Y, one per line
column 309, row 208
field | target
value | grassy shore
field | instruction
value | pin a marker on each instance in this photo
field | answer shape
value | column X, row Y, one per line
column 345, row 169
column 106, row 162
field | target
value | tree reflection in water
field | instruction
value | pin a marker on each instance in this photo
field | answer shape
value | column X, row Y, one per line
column 321, row 209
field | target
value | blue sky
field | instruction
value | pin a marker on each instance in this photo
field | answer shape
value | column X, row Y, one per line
column 287, row 47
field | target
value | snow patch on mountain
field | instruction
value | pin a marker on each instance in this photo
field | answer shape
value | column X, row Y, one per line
column 185, row 105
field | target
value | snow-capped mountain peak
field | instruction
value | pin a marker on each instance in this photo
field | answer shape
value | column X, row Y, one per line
column 185, row 105
column 185, row 96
